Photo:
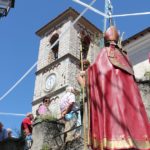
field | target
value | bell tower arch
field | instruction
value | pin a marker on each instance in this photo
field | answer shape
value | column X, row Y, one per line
column 57, row 67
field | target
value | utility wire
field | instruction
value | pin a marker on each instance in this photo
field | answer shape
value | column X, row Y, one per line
column 11, row 89
column 113, row 16
column 91, row 8
column 12, row 114
column 87, row 7
column 34, row 65
column 132, row 14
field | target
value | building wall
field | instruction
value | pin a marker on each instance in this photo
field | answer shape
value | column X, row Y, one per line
column 141, row 68
column 138, row 51
column 44, row 48
column 66, row 67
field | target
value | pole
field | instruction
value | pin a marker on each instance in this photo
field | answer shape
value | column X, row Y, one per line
column 83, row 99
column 105, row 19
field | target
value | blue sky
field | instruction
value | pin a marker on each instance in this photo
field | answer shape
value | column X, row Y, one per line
column 19, row 44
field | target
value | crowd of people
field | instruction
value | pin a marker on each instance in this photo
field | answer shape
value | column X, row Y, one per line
column 69, row 116
column 5, row 133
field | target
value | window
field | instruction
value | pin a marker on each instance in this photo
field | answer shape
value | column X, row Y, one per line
column 85, row 41
column 55, row 48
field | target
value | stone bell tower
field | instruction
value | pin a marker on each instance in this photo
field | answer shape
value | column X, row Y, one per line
column 57, row 67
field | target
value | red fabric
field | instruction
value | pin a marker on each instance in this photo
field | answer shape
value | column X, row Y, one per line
column 26, row 125
column 116, row 108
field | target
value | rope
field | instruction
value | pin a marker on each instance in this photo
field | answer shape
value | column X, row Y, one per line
column 132, row 14
column 91, row 8
column 83, row 99
column 13, row 87
column 34, row 65
column 107, row 16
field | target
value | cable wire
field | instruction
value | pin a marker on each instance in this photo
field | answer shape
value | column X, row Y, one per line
column 91, row 8
column 13, row 87
column 132, row 14
column 12, row 114
column 113, row 16
column 34, row 65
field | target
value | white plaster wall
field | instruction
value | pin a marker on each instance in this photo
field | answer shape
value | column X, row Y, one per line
column 141, row 68
column 138, row 51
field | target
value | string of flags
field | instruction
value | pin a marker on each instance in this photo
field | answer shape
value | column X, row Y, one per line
column 107, row 14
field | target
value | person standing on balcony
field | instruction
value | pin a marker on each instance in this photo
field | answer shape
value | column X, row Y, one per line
column 67, row 113
column 43, row 108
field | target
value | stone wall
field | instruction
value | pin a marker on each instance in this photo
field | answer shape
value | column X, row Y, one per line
column 144, row 86
column 47, row 135
column 43, row 135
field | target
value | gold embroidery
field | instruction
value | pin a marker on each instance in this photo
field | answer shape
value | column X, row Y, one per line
column 120, row 144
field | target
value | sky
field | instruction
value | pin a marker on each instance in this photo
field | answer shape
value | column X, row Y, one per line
column 19, row 44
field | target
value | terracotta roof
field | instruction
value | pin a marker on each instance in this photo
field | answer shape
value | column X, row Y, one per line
column 69, row 12
column 136, row 36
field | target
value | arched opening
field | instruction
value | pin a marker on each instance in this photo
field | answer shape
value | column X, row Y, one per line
column 85, row 41
column 56, row 47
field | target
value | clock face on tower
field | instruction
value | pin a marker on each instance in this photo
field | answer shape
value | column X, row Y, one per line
column 50, row 82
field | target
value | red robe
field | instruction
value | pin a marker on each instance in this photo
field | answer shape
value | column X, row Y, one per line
column 117, row 117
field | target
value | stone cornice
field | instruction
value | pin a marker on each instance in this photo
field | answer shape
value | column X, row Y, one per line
column 69, row 12
column 57, row 62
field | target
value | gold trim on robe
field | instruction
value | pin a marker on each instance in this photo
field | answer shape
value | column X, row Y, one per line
column 120, row 144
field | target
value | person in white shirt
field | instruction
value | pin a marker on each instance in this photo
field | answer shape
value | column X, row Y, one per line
column 67, row 112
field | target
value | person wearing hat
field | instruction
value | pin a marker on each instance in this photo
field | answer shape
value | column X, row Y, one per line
column 26, row 129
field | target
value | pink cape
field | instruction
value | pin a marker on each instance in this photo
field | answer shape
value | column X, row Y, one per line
column 117, row 117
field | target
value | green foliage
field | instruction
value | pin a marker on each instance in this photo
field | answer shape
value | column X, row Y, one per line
column 48, row 118
column 147, row 74
column 45, row 147
column 43, row 118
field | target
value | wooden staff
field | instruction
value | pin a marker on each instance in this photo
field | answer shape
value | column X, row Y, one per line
column 83, row 99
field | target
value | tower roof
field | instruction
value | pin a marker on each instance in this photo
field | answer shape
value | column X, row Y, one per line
column 67, row 13
column 136, row 36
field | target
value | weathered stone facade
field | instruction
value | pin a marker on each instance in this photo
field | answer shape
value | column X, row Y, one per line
column 44, row 133
column 48, row 135
column 66, row 66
